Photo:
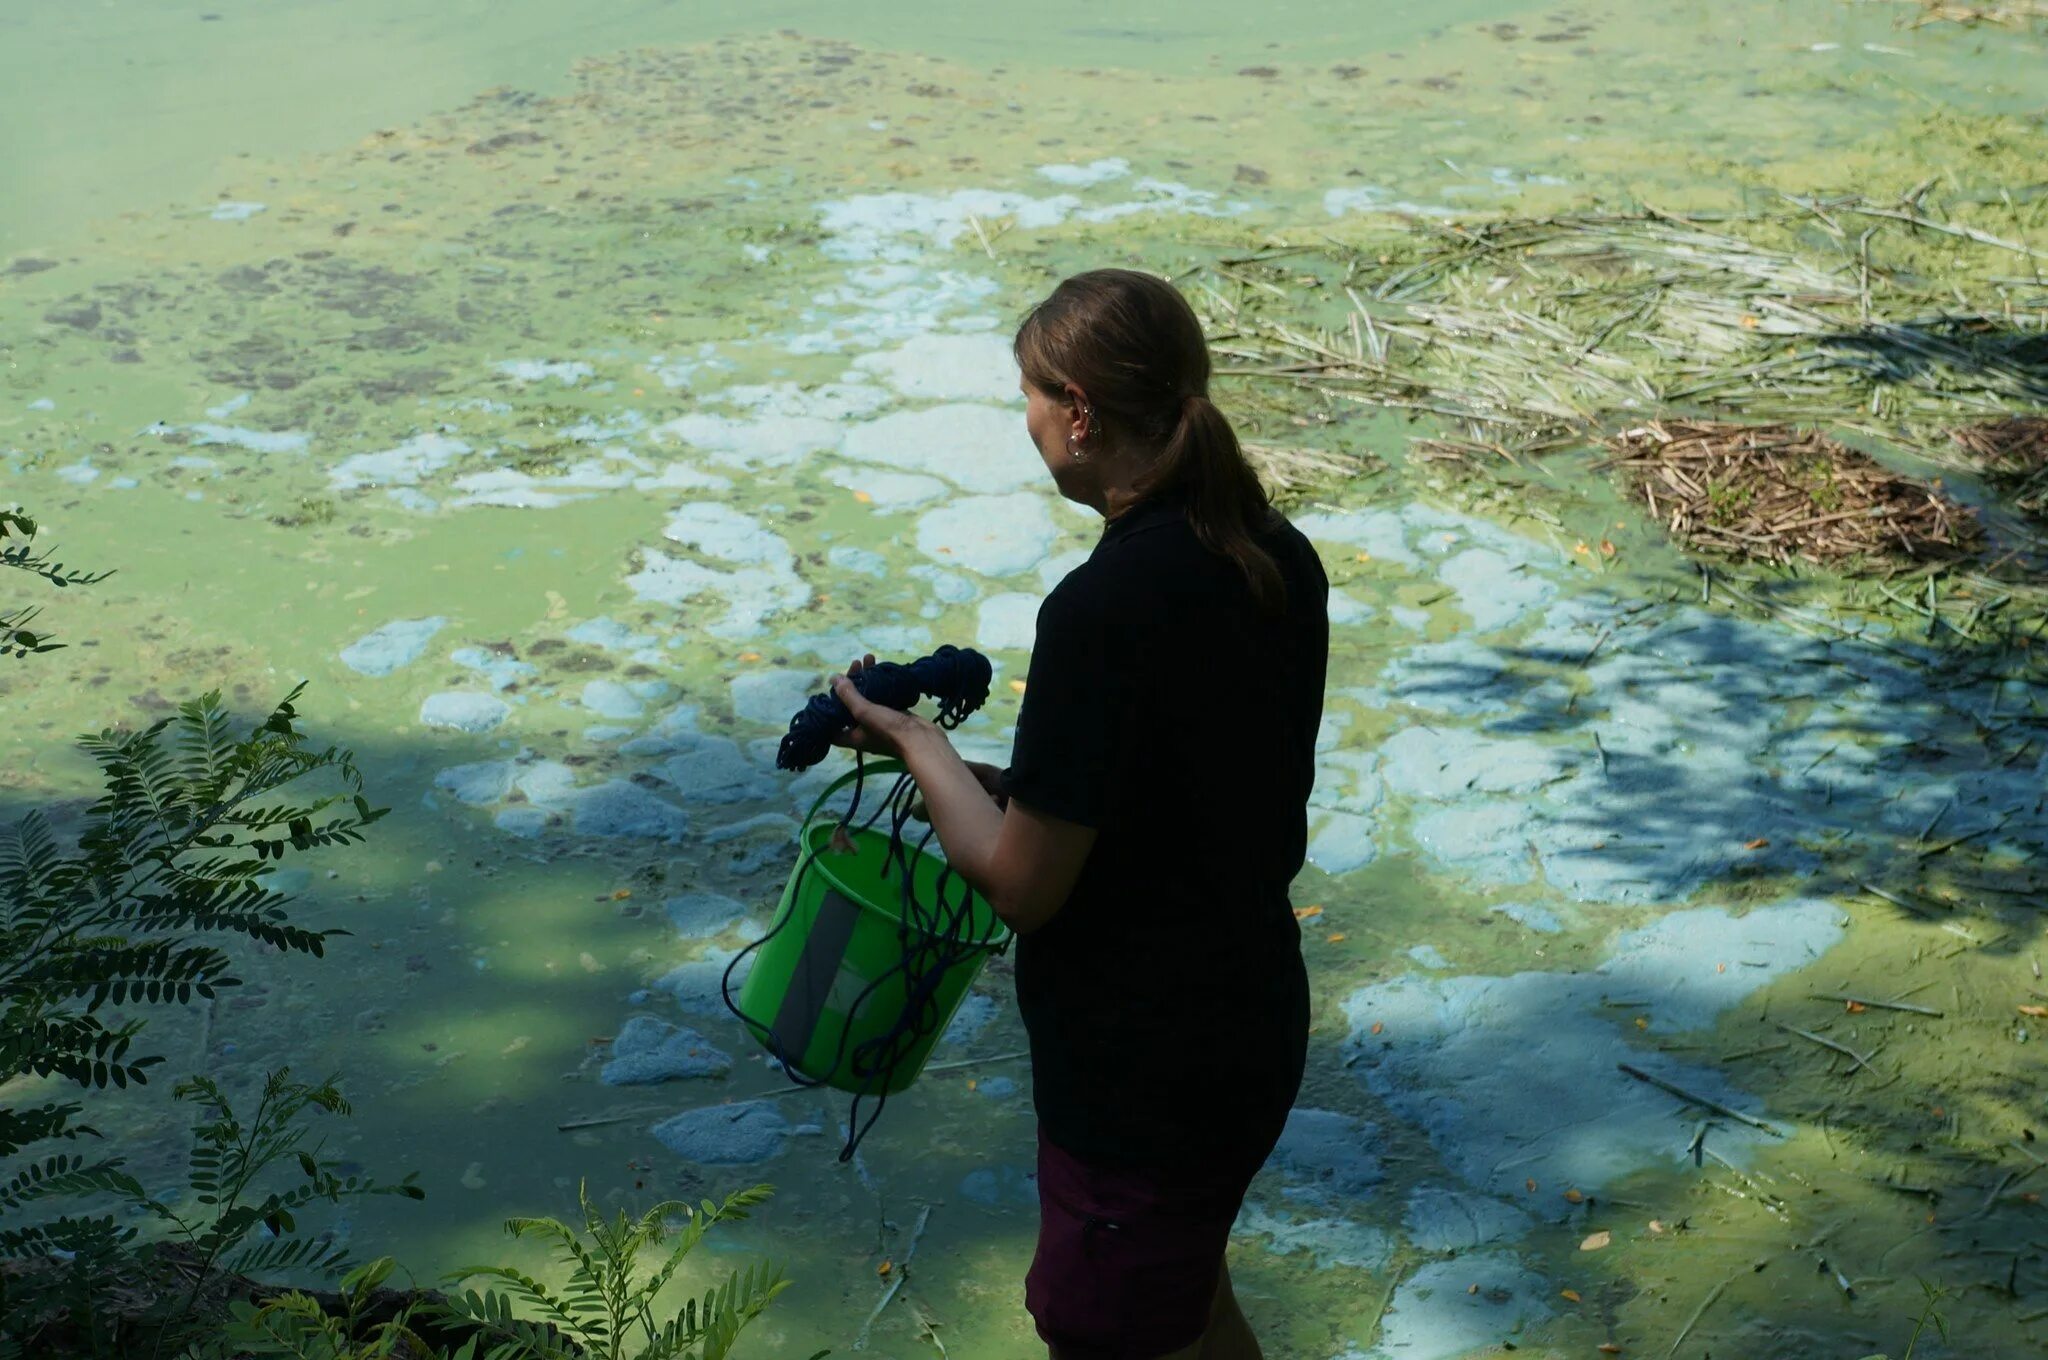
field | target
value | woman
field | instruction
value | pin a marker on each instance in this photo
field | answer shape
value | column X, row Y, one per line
column 1142, row 840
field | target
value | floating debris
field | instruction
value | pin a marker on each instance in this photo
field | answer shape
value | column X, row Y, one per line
column 2014, row 457
column 1777, row 492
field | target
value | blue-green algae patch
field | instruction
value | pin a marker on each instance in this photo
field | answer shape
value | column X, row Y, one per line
column 565, row 443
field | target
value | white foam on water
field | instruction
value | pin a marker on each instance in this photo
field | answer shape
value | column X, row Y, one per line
column 1007, row 622
column 619, row 425
column 773, row 694
column 483, row 782
column 1367, row 198
column 1380, row 532
column 1331, row 1241
column 404, row 464
column 1515, row 1077
column 887, row 641
column 1493, row 590
column 1542, row 920
column 752, row 595
column 464, row 711
column 865, row 561
column 228, row 407
column 608, row 634
column 677, row 370
column 1054, row 569
column 888, row 490
column 949, row 586
column 847, row 399
column 1165, row 196
column 1439, row 1218
column 523, row 822
column 1465, row 1306
column 718, row 531
column 1429, row 956
column 235, row 212
column 1326, row 1156
column 745, row 441
column 1449, row 763
column 256, row 441
column 515, row 490
column 398, row 643
column 715, row 770
column 610, row 699
column 699, row 916
column 1345, row 609
column 900, row 226
column 973, row 367
column 1341, row 842
column 680, row 476
column 566, row 372
column 647, row 1050
column 991, row 535
column 977, row 448
column 413, row 499
column 1082, row 176
column 78, row 474
column 619, row 807
column 885, row 303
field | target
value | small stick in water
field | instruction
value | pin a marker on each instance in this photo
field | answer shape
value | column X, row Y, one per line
column 1825, row 1042
column 1872, row 1001
column 1714, row 1105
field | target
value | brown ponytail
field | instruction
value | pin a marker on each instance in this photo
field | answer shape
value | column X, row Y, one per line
column 1132, row 343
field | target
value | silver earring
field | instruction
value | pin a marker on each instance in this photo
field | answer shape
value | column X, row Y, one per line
column 1074, row 450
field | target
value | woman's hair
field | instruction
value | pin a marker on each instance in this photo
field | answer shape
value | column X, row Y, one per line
column 1132, row 344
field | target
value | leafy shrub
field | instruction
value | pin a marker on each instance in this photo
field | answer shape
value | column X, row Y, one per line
column 604, row 1312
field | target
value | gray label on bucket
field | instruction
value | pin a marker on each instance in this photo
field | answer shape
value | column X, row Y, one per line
column 817, row 978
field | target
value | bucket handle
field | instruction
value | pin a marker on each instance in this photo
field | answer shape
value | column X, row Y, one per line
column 883, row 767
column 873, row 768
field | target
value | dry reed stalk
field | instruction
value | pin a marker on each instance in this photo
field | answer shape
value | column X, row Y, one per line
column 1777, row 492
column 1288, row 471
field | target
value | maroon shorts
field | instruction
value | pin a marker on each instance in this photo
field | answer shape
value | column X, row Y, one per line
column 1128, row 1260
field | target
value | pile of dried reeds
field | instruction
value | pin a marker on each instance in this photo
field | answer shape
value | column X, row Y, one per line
column 2008, row 12
column 2014, row 456
column 1780, row 492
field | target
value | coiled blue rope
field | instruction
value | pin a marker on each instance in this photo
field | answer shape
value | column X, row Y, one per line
column 956, row 678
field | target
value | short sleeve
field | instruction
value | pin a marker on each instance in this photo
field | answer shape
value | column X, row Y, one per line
column 1061, row 762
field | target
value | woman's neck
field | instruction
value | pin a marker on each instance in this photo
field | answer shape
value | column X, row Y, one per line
column 1118, row 486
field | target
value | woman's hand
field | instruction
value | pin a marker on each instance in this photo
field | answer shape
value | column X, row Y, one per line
column 991, row 779
column 877, row 730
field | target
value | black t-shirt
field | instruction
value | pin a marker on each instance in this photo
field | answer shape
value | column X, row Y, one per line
column 1166, row 1002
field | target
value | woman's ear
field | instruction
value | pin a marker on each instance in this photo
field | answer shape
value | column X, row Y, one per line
column 1081, row 414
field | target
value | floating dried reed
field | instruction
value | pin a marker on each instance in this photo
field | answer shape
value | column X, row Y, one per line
column 1779, row 492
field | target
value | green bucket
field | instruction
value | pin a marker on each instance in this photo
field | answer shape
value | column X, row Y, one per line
column 828, row 976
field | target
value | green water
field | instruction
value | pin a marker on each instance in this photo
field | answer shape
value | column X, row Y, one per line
column 642, row 192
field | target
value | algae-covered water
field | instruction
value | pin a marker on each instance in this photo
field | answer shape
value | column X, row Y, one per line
column 563, row 394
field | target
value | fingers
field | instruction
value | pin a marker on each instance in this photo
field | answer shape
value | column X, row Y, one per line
column 850, row 695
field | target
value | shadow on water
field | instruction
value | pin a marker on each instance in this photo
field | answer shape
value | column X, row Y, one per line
column 1949, row 353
